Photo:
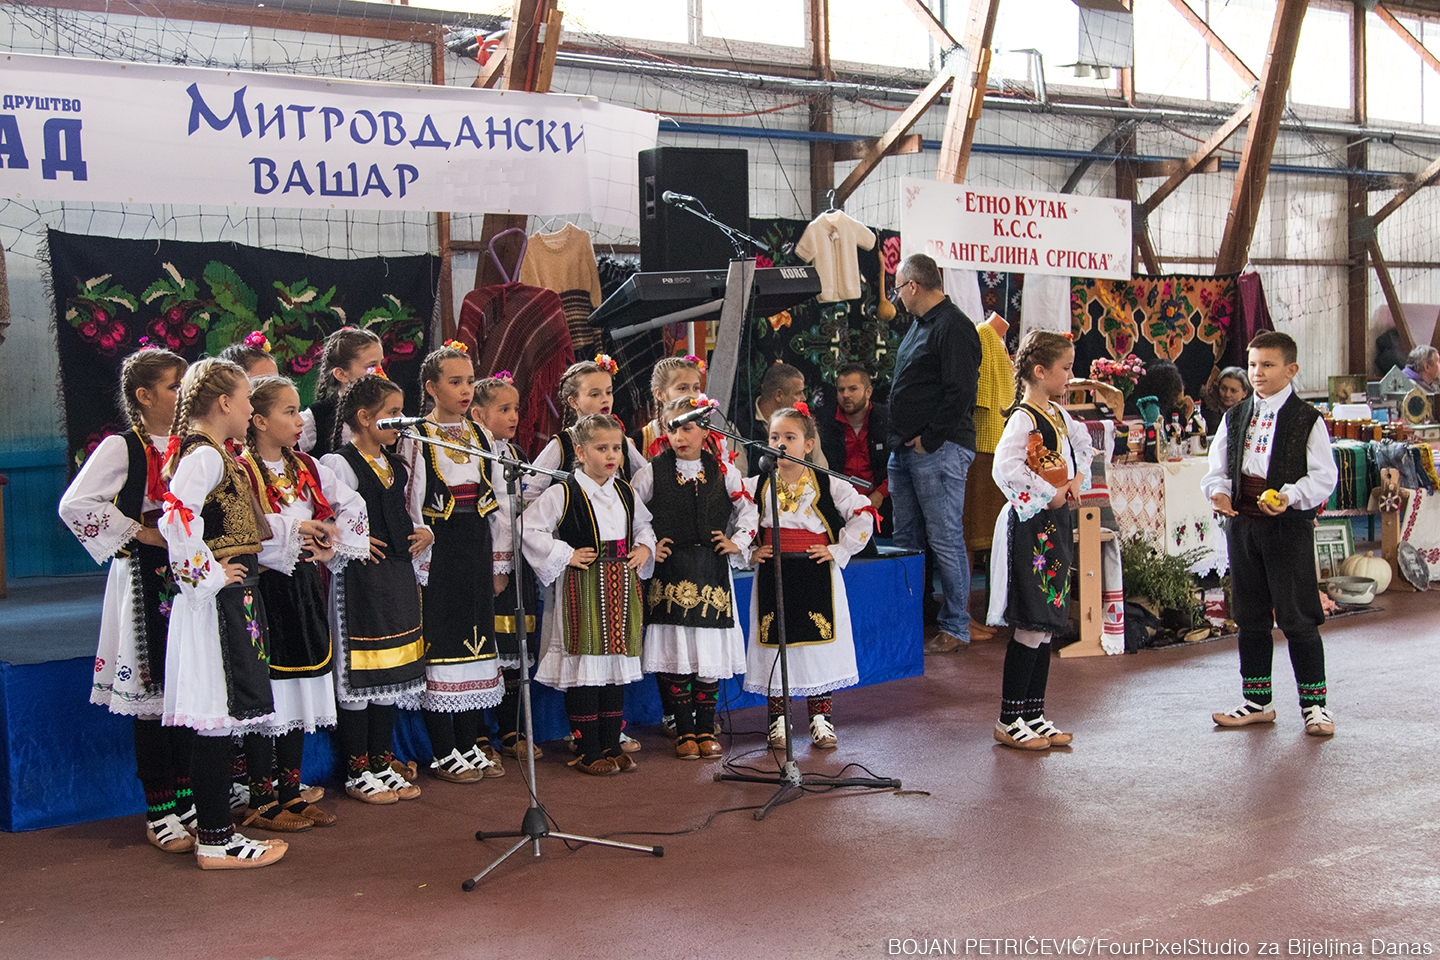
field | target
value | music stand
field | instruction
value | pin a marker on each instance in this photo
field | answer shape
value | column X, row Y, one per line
column 535, row 825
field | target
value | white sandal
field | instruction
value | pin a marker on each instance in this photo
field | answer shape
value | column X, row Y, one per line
column 822, row 732
column 1048, row 730
column 239, row 853
column 169, row 834
column 1018, row 734
column 1247, row 713
column 368, row 788
column 777, row 732
column 402, row 788
column 1318, row 721
column 455, row 768
column 487, row 767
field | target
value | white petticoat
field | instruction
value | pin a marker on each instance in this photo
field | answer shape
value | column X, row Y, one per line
column 815, row 668
column 117, row 685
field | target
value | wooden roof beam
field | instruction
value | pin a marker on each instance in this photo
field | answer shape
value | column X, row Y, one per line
column 1213, row 39
column 893, row 137
column 1260, row 138
column 968, row 98
column 1193, row 162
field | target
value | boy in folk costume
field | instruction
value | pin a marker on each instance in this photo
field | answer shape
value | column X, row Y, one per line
column 589, row 542
column 1270, row 470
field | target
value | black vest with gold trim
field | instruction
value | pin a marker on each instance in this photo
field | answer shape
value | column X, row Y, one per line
column 568, row 460
column 384, row 506
column 577, row 522
column 691, row 588
column 439, row 501
column 231, row 514
column 824, row 504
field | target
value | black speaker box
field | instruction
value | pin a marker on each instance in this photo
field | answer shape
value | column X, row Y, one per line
column 670, row 238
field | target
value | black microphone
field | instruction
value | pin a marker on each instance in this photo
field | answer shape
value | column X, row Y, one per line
column 670, row 196
column 698, row 415
column 397, row 423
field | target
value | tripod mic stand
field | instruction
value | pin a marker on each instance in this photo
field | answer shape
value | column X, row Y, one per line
column 535, row 825
column 790, row 781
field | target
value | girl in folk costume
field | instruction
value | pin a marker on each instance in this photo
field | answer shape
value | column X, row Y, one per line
column 589, row 541
column 349, row 354
column 314, row 519
column 586, row 389
column 497, row 411
column 253, row 356
column 823, row 523
column 375, row 615
column 112, row 507
column 693, row 636
column 217, row 666
column 464, row 574
column 1042, row 460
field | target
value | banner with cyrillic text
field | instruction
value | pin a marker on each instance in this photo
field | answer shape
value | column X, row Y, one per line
column 105, row 131
column 1013, row 231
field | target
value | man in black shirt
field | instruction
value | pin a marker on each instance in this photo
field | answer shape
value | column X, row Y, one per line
column 932, row 438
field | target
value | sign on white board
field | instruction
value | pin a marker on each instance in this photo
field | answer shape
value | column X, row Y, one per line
column 105, row 131
column 1015, row 231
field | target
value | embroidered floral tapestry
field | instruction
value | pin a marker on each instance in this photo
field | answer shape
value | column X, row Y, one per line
column 198, row 298
column 1183, row 319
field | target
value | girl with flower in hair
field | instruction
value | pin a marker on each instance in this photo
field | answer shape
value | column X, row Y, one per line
column 113, row 507
column 671, row 379
column 464, row 571
column 586, row 389
column 1042, row 461
column 253, row 356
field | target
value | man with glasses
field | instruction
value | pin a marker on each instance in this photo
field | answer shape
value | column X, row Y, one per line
column 932, row 438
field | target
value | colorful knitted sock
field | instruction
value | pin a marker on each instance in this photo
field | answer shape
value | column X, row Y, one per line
column 1257, row 649
column 612, row 718
column 350, row 730
column 289, row 751
column 775, row 707
column 582, row 704
column 818, row 706
column 706, row 694
column 1015, row 680
column 379, row 735
column 260, row 765
column 1307, row 656
column 153, row 768
column 682, row 703
column 211, row 765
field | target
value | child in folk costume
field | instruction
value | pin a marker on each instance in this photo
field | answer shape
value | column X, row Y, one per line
column 112, row 507
column 314, row 519
column 693, row 637
column 1270, row 469
column 253, row 356
column 589, row 541
column 824, row 521
column 1042, row 461
column 671, row 379
column 349, row 354
column 497, row 411
column 462, row 664
column 375, row 617
column 217, row 667
column 586, row 389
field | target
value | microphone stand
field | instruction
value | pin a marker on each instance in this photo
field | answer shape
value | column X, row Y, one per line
column 738, row 238
column 535, row 826
column 790, row 782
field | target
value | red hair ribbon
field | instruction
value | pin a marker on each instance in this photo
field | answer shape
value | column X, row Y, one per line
column 803, row 407
column 172, row 450
column 174, row 506
column 607, row 363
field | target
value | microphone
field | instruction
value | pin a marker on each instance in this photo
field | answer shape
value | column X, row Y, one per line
column 397, row 423
column 698, row 415
column 670, row 196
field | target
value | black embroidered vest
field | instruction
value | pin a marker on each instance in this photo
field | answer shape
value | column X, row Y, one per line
column 1048, row 434
column 824, row 505
column 384, row 506
column 231, row 514
column 688, row 512
column 439, row 501
column 577, row 523
column 1289, row 458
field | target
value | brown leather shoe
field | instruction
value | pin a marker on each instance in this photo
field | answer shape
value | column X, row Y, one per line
column 686, row 748
column 517, row 747
column 273, row 817
column 454, row 769
column 943, row 642
column 311, row 812
column 708, row 746
column 624, row 762
column 312, row 794
column 410, row 771
column 603, row 767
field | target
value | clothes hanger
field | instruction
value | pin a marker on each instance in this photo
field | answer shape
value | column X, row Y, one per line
column 830, row 196
column 519, row 259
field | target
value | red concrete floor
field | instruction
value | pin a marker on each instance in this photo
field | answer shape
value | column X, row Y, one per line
column 1154, row 825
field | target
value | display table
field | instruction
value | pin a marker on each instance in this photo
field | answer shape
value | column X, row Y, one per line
column 1162, row 503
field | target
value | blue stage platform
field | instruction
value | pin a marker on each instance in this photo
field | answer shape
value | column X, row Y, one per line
column 65, row 761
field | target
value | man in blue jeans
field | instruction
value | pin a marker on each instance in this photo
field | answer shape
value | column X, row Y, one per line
column 932, row 438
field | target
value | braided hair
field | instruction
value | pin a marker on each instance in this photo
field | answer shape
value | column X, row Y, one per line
column 145, row 369
column 1040, row 348
column 341, row 349
column 245, row 355
column 491, row 387
column 430, row 372
column 588, row 426
column 802, row 417
column 570, row 387
column 364, row 393
column 207, row 381
column 264, row 395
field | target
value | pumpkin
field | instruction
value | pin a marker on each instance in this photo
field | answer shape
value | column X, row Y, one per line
column 1367, row 565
